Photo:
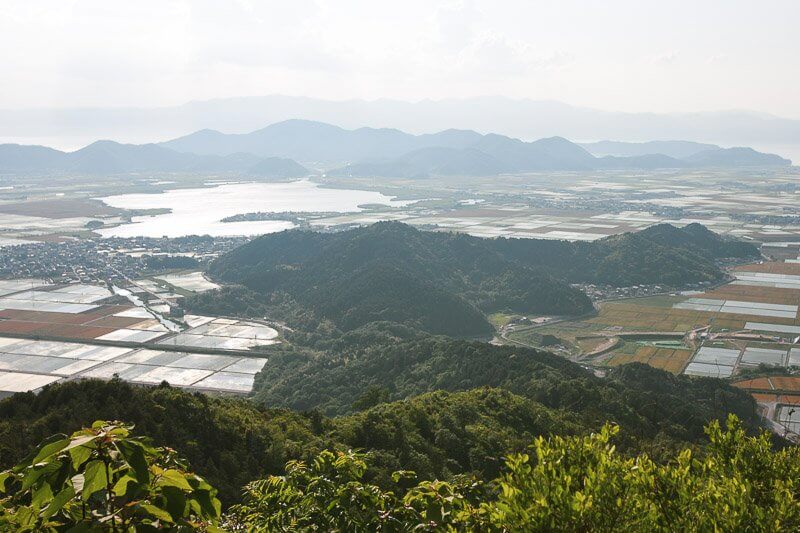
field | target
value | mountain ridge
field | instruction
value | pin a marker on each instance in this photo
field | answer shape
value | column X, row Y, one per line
column 273, row 151
column 111, row 157
column 522, row 118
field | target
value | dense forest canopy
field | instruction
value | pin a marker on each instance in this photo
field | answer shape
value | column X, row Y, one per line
column 102, row 478
column 444, row 283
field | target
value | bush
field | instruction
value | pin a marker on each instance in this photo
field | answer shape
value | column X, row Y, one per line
column 102, row 479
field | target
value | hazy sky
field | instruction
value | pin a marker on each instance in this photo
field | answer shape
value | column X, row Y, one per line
column 631, row 55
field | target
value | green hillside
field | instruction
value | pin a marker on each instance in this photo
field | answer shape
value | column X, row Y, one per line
column 445, row 283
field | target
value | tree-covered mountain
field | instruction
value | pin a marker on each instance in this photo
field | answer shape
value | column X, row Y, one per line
column 657, row 404
column 109, row 157
column 444, row 283
column 661, row 254
column 441, row 283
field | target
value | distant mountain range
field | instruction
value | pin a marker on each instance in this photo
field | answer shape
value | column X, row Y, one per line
column 393, row 153
column 676, row 149
column 273, row 151
column 521, row 118
column 109, row 157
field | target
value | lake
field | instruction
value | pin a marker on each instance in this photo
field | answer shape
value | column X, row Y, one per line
column 199, row 211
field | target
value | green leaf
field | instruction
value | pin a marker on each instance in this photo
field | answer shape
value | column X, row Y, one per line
column 121, row 486
column 176, row 501
column 32, row 475
column 58, row 502
column 42, row 495
column 157, row 512
column 25, row 516
column 94, row 478
column 134, row 455
column 174, row 478
column 50, row 449
column 3, row 478
column 79, row 455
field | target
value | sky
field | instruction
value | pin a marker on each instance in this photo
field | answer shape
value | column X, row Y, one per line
column 623, row 55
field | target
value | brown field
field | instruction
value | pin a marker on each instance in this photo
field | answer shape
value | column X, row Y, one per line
column 748, row 293
column 667, row 359
column 789, row 399
column 781, row 383
column 62, row 318
column 772, row 267
column 630, row 315
column 633, row 317
column 786, row 383
column 591, row 344
column 765, row 398
column 785, row 399
column 115, row 322
column 87, row 325
column 62, row 208
column 757, row 383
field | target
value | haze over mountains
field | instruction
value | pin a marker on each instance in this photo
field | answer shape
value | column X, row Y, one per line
column 274, row 151
column 521, row 118
column 109, row 157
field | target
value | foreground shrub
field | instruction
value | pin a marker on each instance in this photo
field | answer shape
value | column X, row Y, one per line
column 102, row 479
column 562, row 484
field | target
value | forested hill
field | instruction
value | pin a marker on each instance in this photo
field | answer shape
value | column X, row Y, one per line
column 459, row 408
column 444, row 283
column 441, row 283
column 660, row 254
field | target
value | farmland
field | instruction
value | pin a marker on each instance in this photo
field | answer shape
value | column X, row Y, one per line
column 51, row 332
column 746, row 325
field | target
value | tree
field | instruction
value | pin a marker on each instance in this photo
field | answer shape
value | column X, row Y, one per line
column 561, row 484
column 103, row 479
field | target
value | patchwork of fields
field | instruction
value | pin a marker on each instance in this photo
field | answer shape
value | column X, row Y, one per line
column 738, row 327
column 53, row 332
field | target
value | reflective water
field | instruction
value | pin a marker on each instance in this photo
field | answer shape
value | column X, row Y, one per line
column 199, row 211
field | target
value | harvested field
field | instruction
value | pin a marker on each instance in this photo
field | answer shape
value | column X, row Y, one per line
column 772, row 267
column 630, row 316
column 789, row 384
column 671, row 360
column 786, row 383
column 750, row 293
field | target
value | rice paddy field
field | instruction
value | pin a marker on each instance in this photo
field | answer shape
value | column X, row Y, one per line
column 50, row 333
column 189, row 281
column 31, row 364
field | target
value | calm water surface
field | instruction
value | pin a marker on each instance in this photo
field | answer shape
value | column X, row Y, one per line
column 199, row 211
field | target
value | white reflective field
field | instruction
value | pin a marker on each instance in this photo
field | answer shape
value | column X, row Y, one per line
column 29, row 365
